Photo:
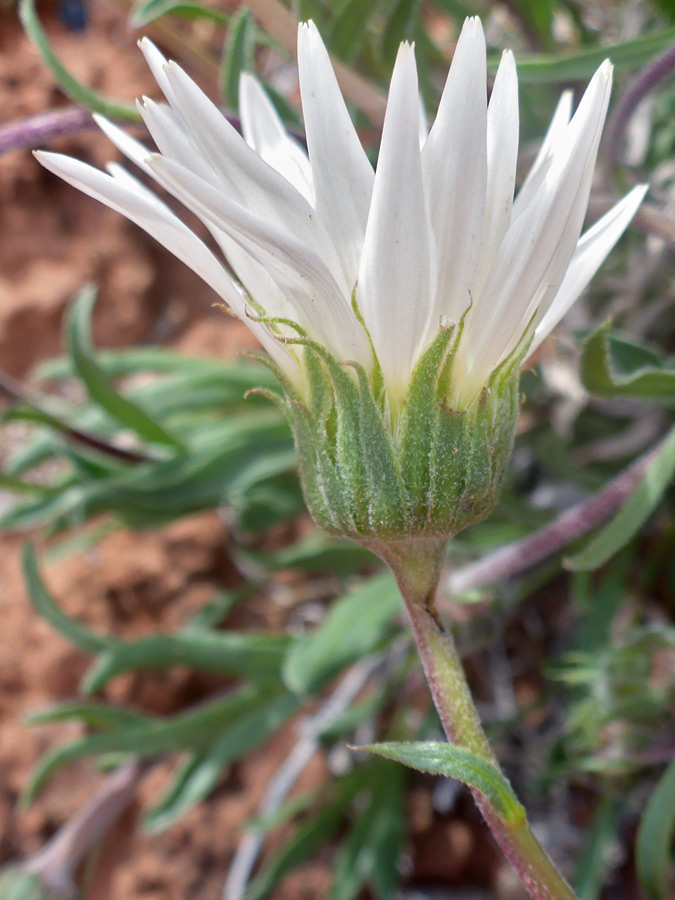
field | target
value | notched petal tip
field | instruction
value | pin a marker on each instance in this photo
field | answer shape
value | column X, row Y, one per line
column 405, row 54
column 472, row 28
column 149, row 49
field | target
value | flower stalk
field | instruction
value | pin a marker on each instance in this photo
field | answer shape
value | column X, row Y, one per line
column 417, row 569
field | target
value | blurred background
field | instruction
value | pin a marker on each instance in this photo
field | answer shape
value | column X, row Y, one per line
column 191, row 583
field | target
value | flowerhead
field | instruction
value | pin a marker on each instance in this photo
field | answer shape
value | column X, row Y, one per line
column 426, row 263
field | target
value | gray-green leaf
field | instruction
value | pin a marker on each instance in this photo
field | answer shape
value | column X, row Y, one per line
column 455, row 762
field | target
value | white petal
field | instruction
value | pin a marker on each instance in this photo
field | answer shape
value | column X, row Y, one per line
column 552, row 141
column 343, row 176
column 539, row 245
column 264, row 131
column 130, row 147
column 454, row 159
column 171, row 138
column 396, row 279
column 168, row 134
column 424, row 123
column 157, row 64
column 502, row 157
column 320, row 306
column 246, row 177
column 126, row 196
column 592, row 250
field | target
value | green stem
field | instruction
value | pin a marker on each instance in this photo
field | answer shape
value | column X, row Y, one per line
column 416, row 567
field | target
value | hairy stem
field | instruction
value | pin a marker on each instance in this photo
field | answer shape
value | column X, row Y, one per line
column 417, row 571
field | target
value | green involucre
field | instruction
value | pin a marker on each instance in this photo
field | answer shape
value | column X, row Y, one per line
column 430, row 474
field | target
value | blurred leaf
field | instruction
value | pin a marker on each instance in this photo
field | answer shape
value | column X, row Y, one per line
column 315, row 553
column 18, row 486
column 598, row 600
column 80, row 635
column 303, row 10
column 362, row 711
column 214, row 613
column 539, row 15
column 226, row 460
column 99, row 387
column 290, row 809
column 455, row 762
column 349, row 28
column 256, row 656
column 353, row 628
column 192, row 730
column 238, row 55
column 69, row 85
column 267, row 504
column 580, row 66
column 18, row 884
column 400, row 26
column 655, row 838
column 161, row 360
column 667, row 7
column 614, row 366
column 200, row 775
column 94, row 715
column 456, row 8
column 634, row 513
column 151, row 10
column 593, row 863
column 371, row 852
column 310, row 834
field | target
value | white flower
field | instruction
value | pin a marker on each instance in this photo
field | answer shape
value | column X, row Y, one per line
column 432, row 235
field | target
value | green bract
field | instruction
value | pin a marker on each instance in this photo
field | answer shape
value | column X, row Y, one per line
column 424, row 470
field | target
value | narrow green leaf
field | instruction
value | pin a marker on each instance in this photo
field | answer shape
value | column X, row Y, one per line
column 150, row 11
column 400, row 26
column 290, row 809
column 653, row 848
column 238, row 55
column 201, row 775
column 370, row 854
column 93, row 715
column 255, row 656
column 316, row 553
column 580, row 66
column 539, row 16
column 455, row 762
column 635, row 512
column 18, row 486
column 80, row 635
column 354, row 627
column 309, row 835
column 192, row 730
column 594, row 861
column 97, row 383
column 136, row 360
column 614, row 366
column 69, row 85
column 349, row 28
